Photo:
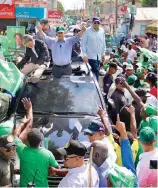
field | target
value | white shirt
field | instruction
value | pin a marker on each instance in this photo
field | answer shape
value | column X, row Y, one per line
column 132, row 54
column 79, row 177
column 93, row 43
column 152, row 100
column 147, row 177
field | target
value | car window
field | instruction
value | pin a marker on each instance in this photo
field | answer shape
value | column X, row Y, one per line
column 63, row 96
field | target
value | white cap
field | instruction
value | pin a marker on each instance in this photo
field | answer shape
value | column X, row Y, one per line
column 129, row 67
column 125, row 63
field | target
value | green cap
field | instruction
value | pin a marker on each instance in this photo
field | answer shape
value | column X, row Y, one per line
column 106, row 67
column 144, row 123
column 60, row 29
column 131, row 79
column 150, row 110
column 153, row 123
column 147, row 135
column 140, row 70
column 121, row 177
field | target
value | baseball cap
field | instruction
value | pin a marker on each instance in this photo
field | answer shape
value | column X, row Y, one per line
column 113, row 65
column 142, row 92
column 147, row 135
column 94, row 126
column 151, row 77
column 73, row 147
column 153, row 123
column 96, row 19
column 131, row 79
column 60, row 29
column 7, row 141
column 44, row 21
column 125, row 64
column 140, row 70
column 150, row 110
column 119, row 80
column 129, row 67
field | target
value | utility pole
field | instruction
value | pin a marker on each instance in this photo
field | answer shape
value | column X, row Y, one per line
column 116, row 11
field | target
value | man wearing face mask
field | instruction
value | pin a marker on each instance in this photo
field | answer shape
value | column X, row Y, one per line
column 7, row 158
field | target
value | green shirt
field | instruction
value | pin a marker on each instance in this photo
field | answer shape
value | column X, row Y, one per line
column 6, row 127
column 32, row 159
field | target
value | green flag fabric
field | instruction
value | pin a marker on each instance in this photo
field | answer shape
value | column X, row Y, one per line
column 11, row 79
column 121, row 177
column 153, row 56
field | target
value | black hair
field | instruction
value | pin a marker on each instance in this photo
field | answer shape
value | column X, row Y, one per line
column 34, row 138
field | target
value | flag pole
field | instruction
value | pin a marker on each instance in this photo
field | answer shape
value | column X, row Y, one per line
column 90, row 167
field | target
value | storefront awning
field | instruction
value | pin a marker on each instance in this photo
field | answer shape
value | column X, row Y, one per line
column 152, row 28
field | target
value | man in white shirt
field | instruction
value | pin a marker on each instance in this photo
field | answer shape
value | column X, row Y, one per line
column 96, row 132
column 78, row 175
column 93, row 46
column 146, row 172
column 132, row 54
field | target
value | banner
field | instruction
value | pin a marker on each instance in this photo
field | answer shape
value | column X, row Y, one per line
column 15, row 34
column 27, row 13
column 30, row 2
column 54, row 14
column 7, row 11
column 11, row 79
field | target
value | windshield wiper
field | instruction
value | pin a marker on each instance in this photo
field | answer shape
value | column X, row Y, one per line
column 43, row 113
column 76, row 113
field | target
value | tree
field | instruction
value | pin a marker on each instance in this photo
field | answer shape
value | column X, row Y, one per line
column 60, row 6
column 149, row 3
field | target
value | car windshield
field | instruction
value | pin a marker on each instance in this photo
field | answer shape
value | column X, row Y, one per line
column 63, row 96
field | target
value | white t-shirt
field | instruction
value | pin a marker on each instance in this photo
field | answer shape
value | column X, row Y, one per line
column 79, row 177
column 132, row 54
column 147, row 177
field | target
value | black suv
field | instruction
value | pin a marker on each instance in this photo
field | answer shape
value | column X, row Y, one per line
column 64, row 107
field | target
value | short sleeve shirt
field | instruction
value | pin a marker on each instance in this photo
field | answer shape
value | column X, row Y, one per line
column 32, row 159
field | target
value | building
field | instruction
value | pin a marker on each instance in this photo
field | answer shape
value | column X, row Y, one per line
column 143, row 17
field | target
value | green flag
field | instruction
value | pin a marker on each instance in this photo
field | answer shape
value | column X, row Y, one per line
column 11, row 78
column 121, row 177
column 153, row 56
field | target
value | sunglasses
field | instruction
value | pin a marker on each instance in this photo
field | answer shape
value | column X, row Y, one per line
column 96, row 22
column 67, row 158
column 88, row 134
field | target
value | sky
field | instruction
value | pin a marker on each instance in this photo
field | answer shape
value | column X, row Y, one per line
column 71, row 4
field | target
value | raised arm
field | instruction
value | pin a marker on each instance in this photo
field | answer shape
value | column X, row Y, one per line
column 46, row 38
column 126, row 152
column 134, row 95
column 25, row 126
column 133, row 124
column 101, row 113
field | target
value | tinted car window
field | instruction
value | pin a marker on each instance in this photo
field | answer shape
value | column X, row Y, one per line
column 63, row 96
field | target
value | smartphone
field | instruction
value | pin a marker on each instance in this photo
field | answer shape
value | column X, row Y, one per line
column 153, row 164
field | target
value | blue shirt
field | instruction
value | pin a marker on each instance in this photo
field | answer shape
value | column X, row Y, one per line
column 61, row 50
column 127, row 161
column 93, row 43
